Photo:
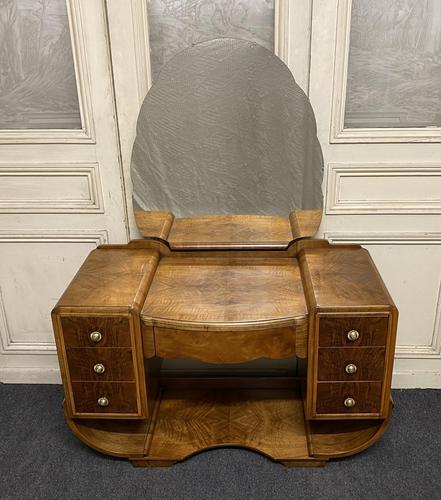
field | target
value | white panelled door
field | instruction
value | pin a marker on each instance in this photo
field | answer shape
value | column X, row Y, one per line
column 70, row 92
column 375, row 75
column 61, row 183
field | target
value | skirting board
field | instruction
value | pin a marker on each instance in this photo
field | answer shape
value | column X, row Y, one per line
column 30, row 376
column 411, row 379
column 416, row 379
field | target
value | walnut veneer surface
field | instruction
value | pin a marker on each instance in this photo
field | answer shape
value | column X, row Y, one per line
column 130, row 306
column 229, row 231
column 216, row 292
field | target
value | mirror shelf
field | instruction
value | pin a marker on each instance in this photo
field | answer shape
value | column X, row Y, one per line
column 229, row 232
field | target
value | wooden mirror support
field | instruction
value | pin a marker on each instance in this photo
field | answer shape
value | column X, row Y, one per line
column 226, row 290
column 232, row 232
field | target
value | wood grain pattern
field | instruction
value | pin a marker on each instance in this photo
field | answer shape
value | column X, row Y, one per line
column 226, row 307
column 333, row 330
column 121, row 395
column 110, row 277
column 344, row 284
column 114, row 330
column 148, row 341
column 305, row 223
column 334, row 438
column 154, row 224
column 269, row 421
column 344, row 278
column 118, row 363
column 192, row 416
column 118, row 438
column 230, row 231
column 331, row 395
column 225, row 294
column 368, row 360
column 226, row 347
column 112, row 283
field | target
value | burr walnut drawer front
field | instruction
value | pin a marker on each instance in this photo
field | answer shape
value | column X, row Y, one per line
column 348, row 398
column 351, row 363
column 100, row 363
column 105, row 397
column 96, row 331
column 353, row 330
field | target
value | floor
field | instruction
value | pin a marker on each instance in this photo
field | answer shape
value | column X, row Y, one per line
column 41, row 459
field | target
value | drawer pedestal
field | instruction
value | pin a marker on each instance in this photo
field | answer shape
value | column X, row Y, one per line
column 131, row 306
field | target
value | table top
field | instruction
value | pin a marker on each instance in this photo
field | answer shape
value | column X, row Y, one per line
column 225, row 293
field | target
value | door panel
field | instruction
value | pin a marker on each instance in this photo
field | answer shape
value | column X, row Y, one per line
column 393, row 70
column 61, row 190
column 38, row 85
column 380, row 194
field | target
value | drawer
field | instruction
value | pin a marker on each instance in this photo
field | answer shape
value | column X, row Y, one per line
column 114, row 331
column 121, row 397
column 230, row 346
column 331, row 397
column 100, row 363
column 371, row 330
column 362, row 363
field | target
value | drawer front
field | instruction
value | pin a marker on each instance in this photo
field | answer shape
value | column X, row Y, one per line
column 331, row 397
column 371, row 331
column 99, row 364
column 119, row 396
column 227, row 346
column 114, row 331
column 351, row 363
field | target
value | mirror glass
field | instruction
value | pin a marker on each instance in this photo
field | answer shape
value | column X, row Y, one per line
column 226, row 130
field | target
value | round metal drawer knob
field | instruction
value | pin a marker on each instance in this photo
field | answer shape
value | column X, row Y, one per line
column 353, row 335
column 350, row 368
column 99, row 368
column 103, row 401
column 95, row 336
column 349, row 402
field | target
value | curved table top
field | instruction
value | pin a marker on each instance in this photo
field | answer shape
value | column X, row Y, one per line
column 225, row 294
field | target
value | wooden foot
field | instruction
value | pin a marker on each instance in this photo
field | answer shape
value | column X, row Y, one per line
column 145, row 462
column 304, row 463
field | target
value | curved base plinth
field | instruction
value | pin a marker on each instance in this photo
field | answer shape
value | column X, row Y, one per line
column 188, row 420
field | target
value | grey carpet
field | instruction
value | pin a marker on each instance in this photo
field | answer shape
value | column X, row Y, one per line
column 41, row 459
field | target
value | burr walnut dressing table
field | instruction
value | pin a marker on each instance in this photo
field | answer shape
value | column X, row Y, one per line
column 226, row 289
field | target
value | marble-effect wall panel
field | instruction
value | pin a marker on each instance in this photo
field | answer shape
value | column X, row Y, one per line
column 37, row 76
column 177, row 24
column 394, row 68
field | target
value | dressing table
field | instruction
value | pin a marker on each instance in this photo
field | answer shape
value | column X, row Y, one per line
column 226, row 289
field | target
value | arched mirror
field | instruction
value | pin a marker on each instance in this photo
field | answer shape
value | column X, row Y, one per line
column 226, row 130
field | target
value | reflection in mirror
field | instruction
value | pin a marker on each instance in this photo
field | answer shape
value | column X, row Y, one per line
column 226, row 130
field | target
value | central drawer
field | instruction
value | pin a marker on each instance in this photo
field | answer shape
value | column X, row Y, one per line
column 230, row 346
